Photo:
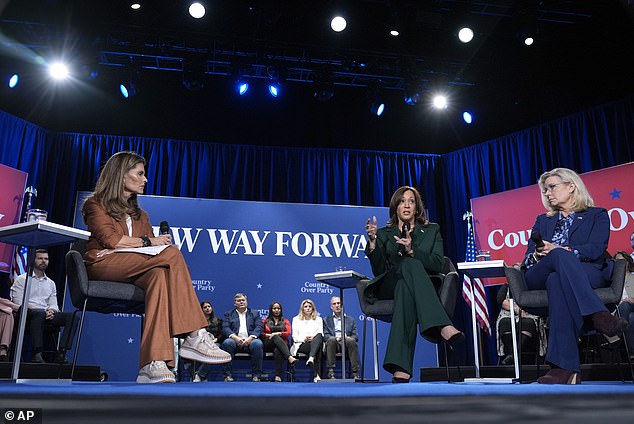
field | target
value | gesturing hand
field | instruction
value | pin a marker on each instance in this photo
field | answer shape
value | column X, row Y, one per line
column 371, row 228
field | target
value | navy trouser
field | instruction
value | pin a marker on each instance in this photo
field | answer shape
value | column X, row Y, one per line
column 569, row 283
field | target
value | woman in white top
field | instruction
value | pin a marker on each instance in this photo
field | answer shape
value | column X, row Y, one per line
column 308, row 330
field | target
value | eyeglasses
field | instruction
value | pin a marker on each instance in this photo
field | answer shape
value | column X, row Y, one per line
column 550, row 187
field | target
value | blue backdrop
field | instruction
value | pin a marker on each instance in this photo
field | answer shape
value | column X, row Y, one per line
column 269, row 251
column 60, row 163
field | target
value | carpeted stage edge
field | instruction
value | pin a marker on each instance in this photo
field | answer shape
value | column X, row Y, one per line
column 329, row 402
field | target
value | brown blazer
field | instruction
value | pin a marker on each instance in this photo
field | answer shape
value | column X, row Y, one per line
column 106, row 232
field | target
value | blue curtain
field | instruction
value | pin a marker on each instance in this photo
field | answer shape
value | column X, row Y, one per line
column 60, row 164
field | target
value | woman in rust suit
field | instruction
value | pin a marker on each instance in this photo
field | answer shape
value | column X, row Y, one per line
column 116, row 221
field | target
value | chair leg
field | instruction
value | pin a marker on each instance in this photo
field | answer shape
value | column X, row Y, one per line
column 627, row 350
column 81, row 327
column 365, row 325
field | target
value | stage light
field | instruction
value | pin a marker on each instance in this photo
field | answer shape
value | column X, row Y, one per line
column 338, row 23
column 13, row 81
column 394, row 33
column 440, row 102
column 127, row 89
column 58, row 71
column 135, row 5
column 465, row 34
column 467, row 117
column 197, row 10
column 274, row 89
column 377, row 107
column 243, row 87
column 324, row 92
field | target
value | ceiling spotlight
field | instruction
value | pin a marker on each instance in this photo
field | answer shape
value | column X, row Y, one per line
column 465, row 34
column 324, row 92
column 13, row 81
column 440, row 102
column 242, row 87
column 394, row 33
column 338, row 23
column 377, row 108
column 135, row 5
column 467, row 117
column 274, row 88
column 127, row 89
column 58, row 71
column 197, row 10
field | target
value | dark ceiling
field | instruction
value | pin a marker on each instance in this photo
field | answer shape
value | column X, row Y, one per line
column 581, row 58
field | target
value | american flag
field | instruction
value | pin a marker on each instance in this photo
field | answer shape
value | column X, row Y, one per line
column 19, row 262
column 482, row 312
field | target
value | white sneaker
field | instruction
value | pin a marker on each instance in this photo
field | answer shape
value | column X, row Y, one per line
column 155, row 372
column 203, row 348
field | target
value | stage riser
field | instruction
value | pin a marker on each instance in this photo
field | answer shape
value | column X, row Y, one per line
column 51, row 371
column 589, row 372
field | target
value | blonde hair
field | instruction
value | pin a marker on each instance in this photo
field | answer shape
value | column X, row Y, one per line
column 313, row 315
column 110, row 186
column 581, row 199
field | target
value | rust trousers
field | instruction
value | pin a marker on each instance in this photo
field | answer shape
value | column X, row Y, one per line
column 171, row 305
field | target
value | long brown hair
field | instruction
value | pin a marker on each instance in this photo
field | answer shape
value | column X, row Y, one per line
column 420, row 216
column 110, row 187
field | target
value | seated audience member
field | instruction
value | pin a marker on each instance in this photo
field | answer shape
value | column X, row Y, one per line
column 570, row 262
column 533, row 331
column 242, row 328
column 43, row 313
column 308, row 330
column 277, row 331
column 7, row 321
column 214, row 327
column 332, row 338
column 626, row 307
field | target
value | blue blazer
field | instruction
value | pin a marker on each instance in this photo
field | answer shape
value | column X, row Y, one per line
column 329, row 327
column 589, row 235
column 231, row 323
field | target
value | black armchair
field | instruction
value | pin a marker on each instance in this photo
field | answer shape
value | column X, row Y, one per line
column 105, row 297
column 536, row 301
column 448, row 284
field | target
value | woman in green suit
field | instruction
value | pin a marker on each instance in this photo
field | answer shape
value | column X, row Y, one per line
column 402, row 255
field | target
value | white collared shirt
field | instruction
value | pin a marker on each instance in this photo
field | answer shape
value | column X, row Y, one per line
column 42, row 292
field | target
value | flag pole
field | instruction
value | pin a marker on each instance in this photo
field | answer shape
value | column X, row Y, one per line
column 467, row 217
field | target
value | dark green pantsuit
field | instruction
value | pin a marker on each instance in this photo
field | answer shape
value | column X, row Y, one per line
column 406, row 280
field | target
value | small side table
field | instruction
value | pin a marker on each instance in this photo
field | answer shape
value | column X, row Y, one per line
column 488, row 269
column 34, row 234
column 347, row 279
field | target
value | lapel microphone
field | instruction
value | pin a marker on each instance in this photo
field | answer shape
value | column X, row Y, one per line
column 404, row 231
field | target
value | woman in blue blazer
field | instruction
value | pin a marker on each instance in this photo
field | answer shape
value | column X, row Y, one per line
column 569, row 263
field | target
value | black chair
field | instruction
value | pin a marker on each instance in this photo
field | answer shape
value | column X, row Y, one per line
column 447, row 285
column 536, row 301
column 105, row 297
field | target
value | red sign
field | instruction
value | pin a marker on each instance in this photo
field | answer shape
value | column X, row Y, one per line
column 503, row 221
column 11, row 195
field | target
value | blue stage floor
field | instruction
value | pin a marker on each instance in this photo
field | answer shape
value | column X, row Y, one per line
column 320, row 403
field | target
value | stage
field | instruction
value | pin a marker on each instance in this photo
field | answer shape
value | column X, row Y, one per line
column 324, row 402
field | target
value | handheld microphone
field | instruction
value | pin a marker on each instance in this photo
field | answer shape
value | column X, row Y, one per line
column 164, row 228
column 537, row 239
column 404, row 231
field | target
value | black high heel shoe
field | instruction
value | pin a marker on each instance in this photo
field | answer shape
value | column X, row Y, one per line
column 400, row 380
